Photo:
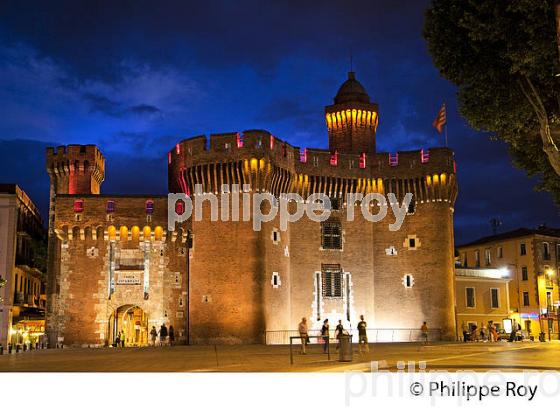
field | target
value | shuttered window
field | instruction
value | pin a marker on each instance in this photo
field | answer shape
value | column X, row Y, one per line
column 331, row 235
column 331, row 281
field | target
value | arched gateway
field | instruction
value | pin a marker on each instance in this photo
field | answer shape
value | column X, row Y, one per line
column 133, row 321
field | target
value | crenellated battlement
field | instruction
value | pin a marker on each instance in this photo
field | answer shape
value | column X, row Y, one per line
column 267, row 163
column 262, row 144
column 76, row 168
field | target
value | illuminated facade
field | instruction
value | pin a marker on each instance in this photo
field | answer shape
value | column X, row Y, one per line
column 115, row 265
column 481, row 295
column 531, row 258
column 22, row 266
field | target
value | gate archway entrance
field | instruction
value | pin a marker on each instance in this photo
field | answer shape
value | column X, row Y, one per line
column 131, row 320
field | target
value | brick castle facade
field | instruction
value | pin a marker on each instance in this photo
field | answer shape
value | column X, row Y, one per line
column 114, row 265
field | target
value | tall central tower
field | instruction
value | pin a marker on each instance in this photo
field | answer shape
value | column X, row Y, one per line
column 352, row 119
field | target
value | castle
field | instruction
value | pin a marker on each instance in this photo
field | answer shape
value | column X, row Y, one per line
column 115, row 266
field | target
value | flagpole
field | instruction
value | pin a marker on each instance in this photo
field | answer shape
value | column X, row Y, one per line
column 445, row 105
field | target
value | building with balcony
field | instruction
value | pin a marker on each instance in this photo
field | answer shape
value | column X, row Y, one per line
column 22, row 267
column 531, row 258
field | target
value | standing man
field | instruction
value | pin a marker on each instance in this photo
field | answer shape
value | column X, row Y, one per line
column 153, row 334
column 325, row 335
column 424, row 330
column 362, row 335
column 122, row 338
column 339, row 331
column 302, row 328
column 162, row 334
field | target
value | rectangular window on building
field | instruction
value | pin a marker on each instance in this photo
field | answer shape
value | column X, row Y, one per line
column 331, row 235
column 331, row 280
column 335, row 204
column 500, row 252
column 524, row 273
column 525, row 298
column 546, row 251
column 465, row 260
column 470, row 297
column 477, row 258
column 549, row 305
column 522, row 249
column 495, row 298
column 487, row 257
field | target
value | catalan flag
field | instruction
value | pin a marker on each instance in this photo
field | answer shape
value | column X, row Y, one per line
column 440, row 120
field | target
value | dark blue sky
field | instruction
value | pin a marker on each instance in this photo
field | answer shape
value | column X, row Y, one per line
column 135, row 77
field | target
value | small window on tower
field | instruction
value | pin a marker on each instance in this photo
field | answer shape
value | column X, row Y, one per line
column 149, row 207
column 110, row 207
column 275, row 236
column 394, row 159
column 303, row 155
column 408, row 281
column 411, row 207
column 331, row 235
column 275, row 281
column 363, row 160
column 334, row 158
column 335, row 204
column 180, row 207
column 411, row 242
column 79, row 205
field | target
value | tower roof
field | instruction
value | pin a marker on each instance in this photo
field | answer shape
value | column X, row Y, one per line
column 351, row 91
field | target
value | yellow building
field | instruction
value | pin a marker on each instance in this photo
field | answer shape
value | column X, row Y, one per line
column 531, row 258
column 481, row 296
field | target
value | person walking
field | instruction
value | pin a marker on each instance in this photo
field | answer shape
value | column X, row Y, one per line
column 338, row 332
column 153, row 335
column 162, row 334
column 171, row 335
column 303, row 335
column 424, row 330
column 122, row 338
column 325, row 335
column 362, row 335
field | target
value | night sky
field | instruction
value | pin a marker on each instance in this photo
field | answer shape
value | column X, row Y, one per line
column 135, row 78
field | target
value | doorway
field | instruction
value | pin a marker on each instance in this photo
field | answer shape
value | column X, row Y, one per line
column 131, row 321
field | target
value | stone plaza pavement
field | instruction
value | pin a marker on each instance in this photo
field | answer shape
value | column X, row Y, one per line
column 260, row 358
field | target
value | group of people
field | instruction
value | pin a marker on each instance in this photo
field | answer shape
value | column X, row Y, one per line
column 338, row 333
column 474, row 333
column 165, row 335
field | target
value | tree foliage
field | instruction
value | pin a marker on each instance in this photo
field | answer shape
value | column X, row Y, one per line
column 503, row 56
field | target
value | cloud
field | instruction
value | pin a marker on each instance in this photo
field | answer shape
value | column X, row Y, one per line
column 99, row 103
column 144, row 109
column 104, row 105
